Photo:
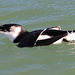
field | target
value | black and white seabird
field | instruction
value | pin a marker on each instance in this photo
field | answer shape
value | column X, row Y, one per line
column 54, row 35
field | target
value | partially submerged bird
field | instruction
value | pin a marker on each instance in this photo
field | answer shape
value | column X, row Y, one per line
column 54, row 35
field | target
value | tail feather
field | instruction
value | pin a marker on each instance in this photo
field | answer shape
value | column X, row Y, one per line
column 70, row 36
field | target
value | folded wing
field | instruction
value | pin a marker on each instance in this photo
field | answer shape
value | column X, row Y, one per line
column 42, row 37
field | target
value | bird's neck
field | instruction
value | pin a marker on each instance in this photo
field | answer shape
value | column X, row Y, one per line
column 20, row 37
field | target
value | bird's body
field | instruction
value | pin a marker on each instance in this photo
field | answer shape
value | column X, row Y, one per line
column 17, row 34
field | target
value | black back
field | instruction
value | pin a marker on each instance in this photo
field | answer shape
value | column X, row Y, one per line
column 30, row 39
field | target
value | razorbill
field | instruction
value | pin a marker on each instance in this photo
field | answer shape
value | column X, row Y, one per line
column 54, row 35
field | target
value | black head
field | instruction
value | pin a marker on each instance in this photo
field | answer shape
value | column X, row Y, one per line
column 7, row 27
column 12, row 30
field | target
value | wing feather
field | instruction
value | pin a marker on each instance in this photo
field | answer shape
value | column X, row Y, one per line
column 47, row 37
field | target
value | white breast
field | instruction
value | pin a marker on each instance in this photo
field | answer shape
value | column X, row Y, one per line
column 58, row 41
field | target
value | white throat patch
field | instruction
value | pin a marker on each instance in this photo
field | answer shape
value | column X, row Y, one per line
column 14, row 32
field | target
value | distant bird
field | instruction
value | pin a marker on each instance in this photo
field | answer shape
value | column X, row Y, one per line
column 54, row 35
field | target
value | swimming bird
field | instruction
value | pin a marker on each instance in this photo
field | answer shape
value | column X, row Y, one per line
column 42, row 37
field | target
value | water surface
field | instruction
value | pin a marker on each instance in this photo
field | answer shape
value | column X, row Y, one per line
column 32, row 15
